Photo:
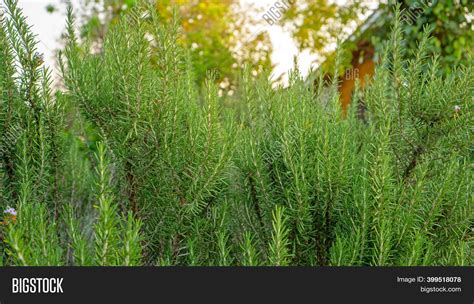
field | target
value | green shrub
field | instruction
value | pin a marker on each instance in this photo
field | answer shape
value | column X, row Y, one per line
column 289, row 179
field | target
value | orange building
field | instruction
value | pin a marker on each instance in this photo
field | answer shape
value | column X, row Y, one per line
column 362, row 68
column 362, row 65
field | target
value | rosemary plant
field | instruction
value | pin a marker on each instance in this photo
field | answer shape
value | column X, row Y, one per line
column 132, row 164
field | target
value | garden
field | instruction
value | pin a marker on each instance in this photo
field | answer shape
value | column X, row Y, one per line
column 140, row 158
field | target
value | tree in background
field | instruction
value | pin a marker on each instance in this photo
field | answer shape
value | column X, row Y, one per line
column 319, row 22
column 451, row 23
column 211, row 31
column 315, row 24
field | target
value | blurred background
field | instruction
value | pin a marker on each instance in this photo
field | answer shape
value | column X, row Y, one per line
column 222, row 35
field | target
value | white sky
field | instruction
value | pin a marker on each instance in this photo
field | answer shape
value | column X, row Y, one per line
column 49, row 27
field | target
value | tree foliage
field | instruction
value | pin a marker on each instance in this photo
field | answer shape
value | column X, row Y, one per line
column 210, row 32
column 321, row 22
column 451, row 24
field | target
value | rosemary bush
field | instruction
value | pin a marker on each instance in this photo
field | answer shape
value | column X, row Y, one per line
column 283, row 177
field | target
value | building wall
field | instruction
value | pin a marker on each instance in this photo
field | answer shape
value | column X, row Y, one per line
column 363, row 67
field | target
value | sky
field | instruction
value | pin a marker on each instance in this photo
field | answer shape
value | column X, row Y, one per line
column 49, row 27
